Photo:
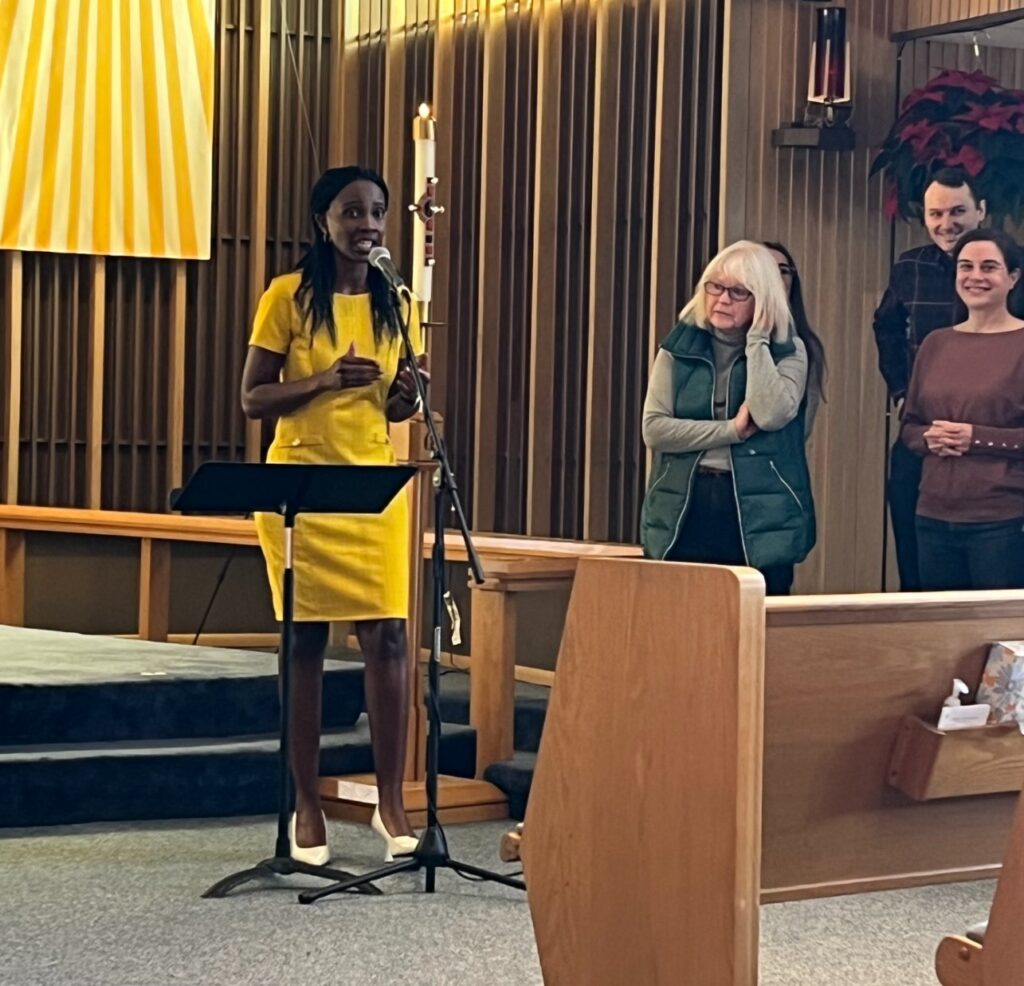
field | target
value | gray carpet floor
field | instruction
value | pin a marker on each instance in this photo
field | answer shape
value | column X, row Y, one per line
column 119, row 905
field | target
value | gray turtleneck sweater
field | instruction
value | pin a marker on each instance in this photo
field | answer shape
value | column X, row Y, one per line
column 774, row 393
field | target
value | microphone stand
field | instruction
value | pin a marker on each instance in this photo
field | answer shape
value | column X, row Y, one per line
column 431, row 854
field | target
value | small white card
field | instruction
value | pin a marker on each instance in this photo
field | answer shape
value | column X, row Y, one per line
column 963, row 717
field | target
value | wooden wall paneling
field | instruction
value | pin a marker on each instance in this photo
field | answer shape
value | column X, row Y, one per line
column 513, row 410
column 214, row 338
column 12, row 577
column 257, row 273
column 547, row 278
column 176, row 380
column 154, row 588
column 603, row 272
column 824, row 208
column 76, row 404
column 444, row 98
column 574, row 460
column 463, row 257
column 574, row 258
column 494, row 133
column 343, row 74
column 293, row 30
column 32, row 391
column 629, row 457
column 397, row 129
column 666, row 253
column 279, row 137
column 246, row 120
column 95, row 379
column 13, row 289
column 66, row 402
column 153, row 365
column 911, row 15
column 203, row 279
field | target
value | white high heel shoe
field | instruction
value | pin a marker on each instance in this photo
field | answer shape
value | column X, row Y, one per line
column 394, row 845
column 313, row 855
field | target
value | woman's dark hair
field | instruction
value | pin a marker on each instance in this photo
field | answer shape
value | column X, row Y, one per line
column 315, row 293
column 817, row 366
column 1013, row 257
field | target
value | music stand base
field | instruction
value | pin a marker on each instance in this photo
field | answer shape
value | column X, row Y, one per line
column 283, row 866
column 431, row 855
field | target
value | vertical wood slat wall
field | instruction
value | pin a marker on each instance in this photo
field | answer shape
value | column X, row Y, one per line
column 126, row 370
column 914, row 14
column 575, row 229
column 823, row 207
column 578, row 146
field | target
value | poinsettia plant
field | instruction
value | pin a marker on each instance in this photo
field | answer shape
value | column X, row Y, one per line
column 959, row 119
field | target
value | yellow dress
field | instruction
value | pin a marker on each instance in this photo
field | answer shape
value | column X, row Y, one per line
column 346, row 567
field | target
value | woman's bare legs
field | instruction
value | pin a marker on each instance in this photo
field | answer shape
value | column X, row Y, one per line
column 387, row 701
column 306, row 714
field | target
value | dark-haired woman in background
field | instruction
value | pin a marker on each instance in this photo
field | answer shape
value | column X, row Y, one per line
column 817, row 367
column 964, row 415
column 325, row 360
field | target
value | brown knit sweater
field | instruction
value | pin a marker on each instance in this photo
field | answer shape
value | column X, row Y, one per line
column 978, row 379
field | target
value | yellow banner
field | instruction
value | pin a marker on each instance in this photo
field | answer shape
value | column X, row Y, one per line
column 106, row 126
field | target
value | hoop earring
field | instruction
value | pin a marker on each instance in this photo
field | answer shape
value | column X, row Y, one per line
column 327, row 237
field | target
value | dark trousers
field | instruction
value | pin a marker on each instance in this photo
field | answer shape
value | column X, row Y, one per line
column 971, row 556
column 904, row 482
column 711, row 532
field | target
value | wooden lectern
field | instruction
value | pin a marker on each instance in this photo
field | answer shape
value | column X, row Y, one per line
column 642, row 841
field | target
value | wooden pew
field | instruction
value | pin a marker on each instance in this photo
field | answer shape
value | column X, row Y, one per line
column 842, row 673
column 643, row 829
column 999, row 961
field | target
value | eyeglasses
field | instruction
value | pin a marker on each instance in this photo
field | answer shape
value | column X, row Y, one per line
column 715, row 289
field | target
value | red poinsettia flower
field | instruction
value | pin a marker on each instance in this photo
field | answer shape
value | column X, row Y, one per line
column 969, row 158
column 977, row 82
column 959, row 119
column 891, row 202
column 921, row 96
column 919, row 134
column 993, row 118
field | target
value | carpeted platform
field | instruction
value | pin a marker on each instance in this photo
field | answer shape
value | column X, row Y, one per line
column 73, row 688
column 97, row 729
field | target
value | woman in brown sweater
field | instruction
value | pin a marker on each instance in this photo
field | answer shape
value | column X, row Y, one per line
column 965, row 415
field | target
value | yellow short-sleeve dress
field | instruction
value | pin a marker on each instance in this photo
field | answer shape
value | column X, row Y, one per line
column 346, row 567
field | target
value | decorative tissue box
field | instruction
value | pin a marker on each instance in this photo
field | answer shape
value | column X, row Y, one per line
column 1002, row 683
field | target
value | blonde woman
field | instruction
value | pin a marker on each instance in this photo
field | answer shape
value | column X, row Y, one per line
column 724, row 416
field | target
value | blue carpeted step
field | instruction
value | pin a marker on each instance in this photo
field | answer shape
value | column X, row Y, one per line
column 514, row 777
column 62, row 688
column 206, row 777
column 531, row 707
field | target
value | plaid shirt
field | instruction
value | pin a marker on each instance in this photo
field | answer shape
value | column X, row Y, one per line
column 921, row 297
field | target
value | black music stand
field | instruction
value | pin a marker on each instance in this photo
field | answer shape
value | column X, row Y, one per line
column 288, row 490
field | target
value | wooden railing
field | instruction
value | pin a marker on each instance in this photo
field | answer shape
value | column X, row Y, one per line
column 514, row 566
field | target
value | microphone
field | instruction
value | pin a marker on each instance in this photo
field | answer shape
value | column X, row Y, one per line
column 380, row 257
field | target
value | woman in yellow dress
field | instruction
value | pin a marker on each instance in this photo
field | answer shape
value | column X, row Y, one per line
column 325, row 360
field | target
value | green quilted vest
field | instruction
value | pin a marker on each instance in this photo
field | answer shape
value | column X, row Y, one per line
column 770, row 476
